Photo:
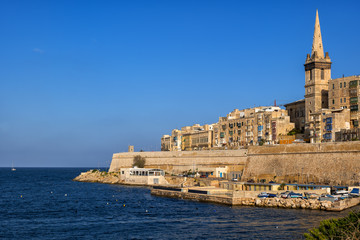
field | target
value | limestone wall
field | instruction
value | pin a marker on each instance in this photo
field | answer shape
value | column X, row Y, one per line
column 177, row 162
column 325, row 163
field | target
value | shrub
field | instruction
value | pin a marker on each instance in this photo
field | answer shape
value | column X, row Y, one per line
column 342, row 228
column 282, row 186
column 139, row 161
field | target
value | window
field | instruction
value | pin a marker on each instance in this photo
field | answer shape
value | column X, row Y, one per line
column 310, row 75
column 322, row 74
column 340, row 100
column 340, row 85
column 344, row 84
column 333, row 86
column 333, row 101
column 344, row 100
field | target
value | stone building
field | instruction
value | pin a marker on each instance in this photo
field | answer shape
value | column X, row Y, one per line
column 166, row 143
column 330, row 106
column 194, row 137
column 325, row 98
column 296, row 111
column 343, row 94
column 197, row 137
column 326, row 122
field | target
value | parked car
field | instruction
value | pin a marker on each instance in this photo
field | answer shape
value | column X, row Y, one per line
column 355, row 192
column 284, row 194
column 251, row 181
column 328, row 198
column 235, row 179
column 271, row 195
column 263, row 195
column 294, row 195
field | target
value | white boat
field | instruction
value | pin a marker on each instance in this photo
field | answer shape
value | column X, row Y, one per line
column 12, row 167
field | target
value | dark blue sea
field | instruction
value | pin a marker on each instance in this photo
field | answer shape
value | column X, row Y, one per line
column 44, row 203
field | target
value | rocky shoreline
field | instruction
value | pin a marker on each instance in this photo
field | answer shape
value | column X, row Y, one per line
column 229, row 198
column 99, row 177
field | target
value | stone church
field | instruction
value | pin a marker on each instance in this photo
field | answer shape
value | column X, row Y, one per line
column 329, row 111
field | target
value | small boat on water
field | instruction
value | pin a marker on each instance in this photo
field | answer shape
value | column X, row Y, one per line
column 12, row 167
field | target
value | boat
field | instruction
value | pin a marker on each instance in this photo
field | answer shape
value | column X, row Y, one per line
column 12, row 167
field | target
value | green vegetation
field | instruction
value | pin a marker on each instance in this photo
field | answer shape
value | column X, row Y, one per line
column 293, row 132
column 342, row 228
column 139, row 161
column 282, row 186
column 94, row 170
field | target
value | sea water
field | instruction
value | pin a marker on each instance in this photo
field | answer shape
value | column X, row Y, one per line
column 44, row 203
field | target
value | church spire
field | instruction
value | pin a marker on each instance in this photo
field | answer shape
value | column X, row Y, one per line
column 317, row 47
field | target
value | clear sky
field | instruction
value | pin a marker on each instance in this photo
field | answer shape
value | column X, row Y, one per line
column 80, row 80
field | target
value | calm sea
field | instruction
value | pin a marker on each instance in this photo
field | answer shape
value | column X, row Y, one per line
column 44, row 203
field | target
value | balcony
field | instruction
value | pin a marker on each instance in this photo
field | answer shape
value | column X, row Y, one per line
column 353, row 84
column 353, row 93
column 353, row 100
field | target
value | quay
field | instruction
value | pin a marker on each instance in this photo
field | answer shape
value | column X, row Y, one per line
column 249, row 198
column 221, row 192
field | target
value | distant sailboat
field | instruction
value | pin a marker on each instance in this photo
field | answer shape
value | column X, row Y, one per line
column 12, row 166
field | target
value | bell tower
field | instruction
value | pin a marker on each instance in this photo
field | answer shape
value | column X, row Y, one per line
column 317, row 75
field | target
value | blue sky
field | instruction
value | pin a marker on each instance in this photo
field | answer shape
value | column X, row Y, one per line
column 80, row 80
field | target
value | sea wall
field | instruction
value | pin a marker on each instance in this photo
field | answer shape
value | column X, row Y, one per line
column 177, row 162
column 325, row 163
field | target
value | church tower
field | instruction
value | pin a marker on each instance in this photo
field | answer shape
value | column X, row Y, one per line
column 317, row 75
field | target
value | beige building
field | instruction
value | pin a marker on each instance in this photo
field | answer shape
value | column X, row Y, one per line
column 296, row 111
column 253, row 126
column 197, row 137
column 326, row 99
column 166, row 143
column 325, row 123
column 317, row 76
column 344, row 94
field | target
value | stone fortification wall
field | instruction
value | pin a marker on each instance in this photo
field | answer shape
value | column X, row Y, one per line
column 325, row 163
column 177, row 162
